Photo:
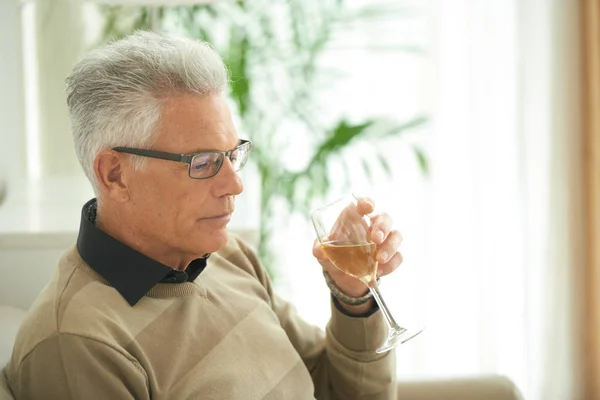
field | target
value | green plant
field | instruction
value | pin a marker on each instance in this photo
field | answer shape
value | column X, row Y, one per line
column 272, row 51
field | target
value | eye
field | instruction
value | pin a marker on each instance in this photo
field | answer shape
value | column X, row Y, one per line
column 202, row 162
column 200, row 165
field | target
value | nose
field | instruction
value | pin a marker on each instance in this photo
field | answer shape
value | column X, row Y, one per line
column 227, row 180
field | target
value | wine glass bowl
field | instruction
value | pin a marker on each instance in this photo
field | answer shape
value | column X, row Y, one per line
column 355, row 259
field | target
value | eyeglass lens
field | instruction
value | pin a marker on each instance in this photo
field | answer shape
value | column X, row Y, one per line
column 205, row 165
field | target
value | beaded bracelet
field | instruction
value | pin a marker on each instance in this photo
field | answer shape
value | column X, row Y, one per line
column 338, row 294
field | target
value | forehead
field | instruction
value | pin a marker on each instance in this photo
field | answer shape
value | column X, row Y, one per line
column 191, row 123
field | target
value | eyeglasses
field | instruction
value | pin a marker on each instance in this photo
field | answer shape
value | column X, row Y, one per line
column 202, row 165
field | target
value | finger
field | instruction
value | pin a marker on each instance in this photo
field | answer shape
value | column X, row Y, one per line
column 350, row 224
column 389, row 247
column 318, row 251
column 390, row 266
column 381, row 225
column 365, row 205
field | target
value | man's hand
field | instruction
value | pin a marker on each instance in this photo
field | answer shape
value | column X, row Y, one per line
column 389, row 258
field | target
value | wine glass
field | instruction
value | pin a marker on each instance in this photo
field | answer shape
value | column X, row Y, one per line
column 345, row 237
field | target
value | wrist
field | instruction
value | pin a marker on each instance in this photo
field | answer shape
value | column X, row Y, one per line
column 353, row 290
column 358, row 299
column 361, row 310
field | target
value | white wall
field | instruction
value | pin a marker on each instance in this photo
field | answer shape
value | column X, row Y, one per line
column 59, row 33
column 12, row 133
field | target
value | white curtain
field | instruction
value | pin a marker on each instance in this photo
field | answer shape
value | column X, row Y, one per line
column 501, row 232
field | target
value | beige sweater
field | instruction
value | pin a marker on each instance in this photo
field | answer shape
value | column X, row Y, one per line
column 224, row 336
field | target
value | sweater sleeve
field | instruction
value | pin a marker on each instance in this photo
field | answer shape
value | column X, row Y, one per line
column 342, row 360
column 68, row 366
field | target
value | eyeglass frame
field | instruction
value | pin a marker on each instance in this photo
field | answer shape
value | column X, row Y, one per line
column 184, row 158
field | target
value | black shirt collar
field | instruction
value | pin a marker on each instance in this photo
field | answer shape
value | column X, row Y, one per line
column 130, row 272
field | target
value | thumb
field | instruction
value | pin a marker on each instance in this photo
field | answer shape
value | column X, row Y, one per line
column 318, row 251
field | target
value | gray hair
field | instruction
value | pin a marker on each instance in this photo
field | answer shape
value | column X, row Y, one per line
column 115, row 93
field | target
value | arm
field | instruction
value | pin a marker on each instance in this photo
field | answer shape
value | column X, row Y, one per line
column 68, row 366
column 342, row 361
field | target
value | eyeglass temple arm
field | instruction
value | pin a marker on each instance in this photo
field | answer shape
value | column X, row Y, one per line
column 156, row 154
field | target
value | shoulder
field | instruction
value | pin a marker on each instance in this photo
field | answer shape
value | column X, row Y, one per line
column 74, row 305
column 75, row 302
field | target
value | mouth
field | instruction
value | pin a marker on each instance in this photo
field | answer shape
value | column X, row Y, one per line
column 220, row 217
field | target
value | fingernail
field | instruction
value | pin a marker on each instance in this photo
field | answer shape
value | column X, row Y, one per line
column 383, row 256
column 379, row 235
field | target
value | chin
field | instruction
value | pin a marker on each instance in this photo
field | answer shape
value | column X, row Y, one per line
column 215, row 241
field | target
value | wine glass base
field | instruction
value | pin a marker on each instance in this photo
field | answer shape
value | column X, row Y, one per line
column 396, row 337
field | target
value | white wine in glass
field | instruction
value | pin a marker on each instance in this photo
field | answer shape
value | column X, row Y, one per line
column 358, row 260
column 345, row 236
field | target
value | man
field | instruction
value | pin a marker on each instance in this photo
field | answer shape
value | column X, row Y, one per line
column 157, row 300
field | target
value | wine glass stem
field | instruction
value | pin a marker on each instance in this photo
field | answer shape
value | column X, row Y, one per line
column 391, row 322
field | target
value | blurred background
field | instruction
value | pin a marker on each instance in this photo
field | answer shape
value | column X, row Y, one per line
column 475, row 124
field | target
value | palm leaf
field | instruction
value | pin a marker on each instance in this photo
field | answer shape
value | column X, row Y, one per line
column 342, row 135
column 422, row 160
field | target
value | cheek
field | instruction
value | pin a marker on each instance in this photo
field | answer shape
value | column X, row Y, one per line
column 154, row 213
column 173, row 204
column 155, row 203
column 189, row 206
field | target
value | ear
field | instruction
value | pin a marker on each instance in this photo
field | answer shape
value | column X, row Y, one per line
column 111, row 169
